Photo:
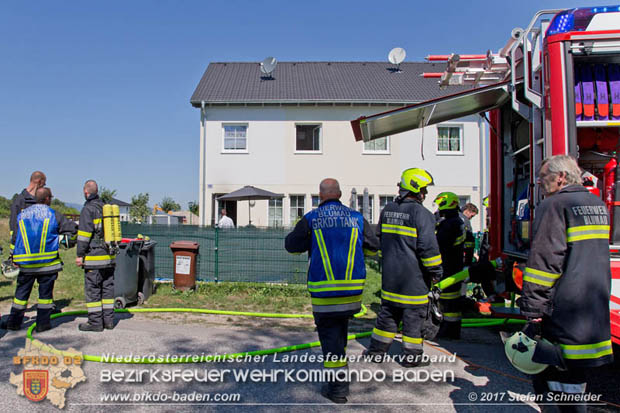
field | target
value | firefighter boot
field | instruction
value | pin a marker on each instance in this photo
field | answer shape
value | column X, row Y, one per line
column 336, row 391
column 90, row 327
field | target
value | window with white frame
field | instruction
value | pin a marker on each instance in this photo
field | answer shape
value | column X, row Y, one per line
column 450, row 140
column 315, row 201
column 384, row 200
column 360, row 206
column 308, row 138
column 377, row 146
column 235, row 138
column 275, row 213
column 297, row 207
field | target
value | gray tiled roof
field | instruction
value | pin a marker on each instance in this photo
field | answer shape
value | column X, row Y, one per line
column 294, row 82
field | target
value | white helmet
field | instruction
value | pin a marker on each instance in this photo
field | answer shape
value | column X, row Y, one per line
column 9, row 270
column 519, row 349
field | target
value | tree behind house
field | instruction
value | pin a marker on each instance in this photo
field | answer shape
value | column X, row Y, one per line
column 193, row 207
column 107, row 194
column 139, row 209
column 168, row 204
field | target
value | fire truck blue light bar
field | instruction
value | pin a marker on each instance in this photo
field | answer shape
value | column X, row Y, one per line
column 577, row 20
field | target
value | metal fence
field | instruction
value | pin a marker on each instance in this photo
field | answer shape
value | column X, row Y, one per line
column 240, row 254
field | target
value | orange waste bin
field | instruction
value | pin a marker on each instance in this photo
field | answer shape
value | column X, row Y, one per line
column 185, row 256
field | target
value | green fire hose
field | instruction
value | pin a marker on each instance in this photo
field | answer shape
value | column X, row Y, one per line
column 458, row 277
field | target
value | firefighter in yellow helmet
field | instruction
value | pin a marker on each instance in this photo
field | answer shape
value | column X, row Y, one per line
column 411, row 262
column 451, row 239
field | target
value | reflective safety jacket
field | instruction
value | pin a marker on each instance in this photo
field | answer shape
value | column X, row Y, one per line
column 36, row 243
column 335, row 238
column 411, row 258
column 567, row 279
column 90, row 242
column 21, row 202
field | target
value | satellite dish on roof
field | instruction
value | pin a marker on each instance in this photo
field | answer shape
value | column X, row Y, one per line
column 268, row 65
column 397, row 55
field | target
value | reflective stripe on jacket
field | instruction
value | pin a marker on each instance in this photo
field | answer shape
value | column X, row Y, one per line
column 20, row 202
column 411, row 257
column 36, row 243
column 567, row 279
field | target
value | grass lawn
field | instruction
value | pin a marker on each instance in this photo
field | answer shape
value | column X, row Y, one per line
column 69, row 291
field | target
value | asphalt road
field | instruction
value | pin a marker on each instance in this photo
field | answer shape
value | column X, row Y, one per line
column 482, row 378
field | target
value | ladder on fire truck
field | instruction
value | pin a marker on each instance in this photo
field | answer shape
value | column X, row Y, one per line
column 519, row 61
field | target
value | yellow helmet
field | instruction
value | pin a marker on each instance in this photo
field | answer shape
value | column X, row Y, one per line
column 447, row 200
column 414, row 179
column 485, row 201
column 519, row 349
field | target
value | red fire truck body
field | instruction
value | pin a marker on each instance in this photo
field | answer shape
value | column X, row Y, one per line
column 553, row 89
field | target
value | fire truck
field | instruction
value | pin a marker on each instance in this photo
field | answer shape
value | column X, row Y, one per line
column 554, row 88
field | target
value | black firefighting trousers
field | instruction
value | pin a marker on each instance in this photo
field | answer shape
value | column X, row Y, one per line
column 25, row 282
column 99, row 292
column 387, row 326
column 333, row 331
column 451, row 304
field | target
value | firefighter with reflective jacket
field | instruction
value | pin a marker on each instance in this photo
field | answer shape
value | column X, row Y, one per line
column 411, row 262
column 39, row 229
column 451, row 236
column 336, row 239
column 20, row 202
column 566, row 283
column 23, row 200
column 98, row 261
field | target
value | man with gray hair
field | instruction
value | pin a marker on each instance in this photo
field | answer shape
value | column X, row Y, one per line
column 566, row 283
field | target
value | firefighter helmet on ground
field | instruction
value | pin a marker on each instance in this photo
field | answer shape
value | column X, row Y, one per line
column 414, row 179
column 519, row 349
column 9, row 270
column 447, row 200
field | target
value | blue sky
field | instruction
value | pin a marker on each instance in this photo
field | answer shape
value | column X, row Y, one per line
column 100, row 90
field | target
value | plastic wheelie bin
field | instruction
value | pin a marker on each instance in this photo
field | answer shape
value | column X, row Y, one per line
column 126, row 274
column 146, row 273
column 185, row 255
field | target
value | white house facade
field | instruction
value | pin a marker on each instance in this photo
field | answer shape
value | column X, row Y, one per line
column 287, row 133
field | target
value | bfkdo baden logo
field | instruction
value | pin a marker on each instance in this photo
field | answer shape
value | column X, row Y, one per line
column 36, row 384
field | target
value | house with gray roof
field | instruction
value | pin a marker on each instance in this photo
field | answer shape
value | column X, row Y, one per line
column 286, row 131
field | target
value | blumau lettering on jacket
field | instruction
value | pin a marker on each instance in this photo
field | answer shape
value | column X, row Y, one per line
column 333, row 211
column 595, row 220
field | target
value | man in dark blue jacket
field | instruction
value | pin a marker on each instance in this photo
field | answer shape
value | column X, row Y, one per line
column 38, row 228
column 335, row 238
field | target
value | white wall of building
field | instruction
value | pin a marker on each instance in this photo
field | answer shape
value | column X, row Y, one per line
column 272, row 163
